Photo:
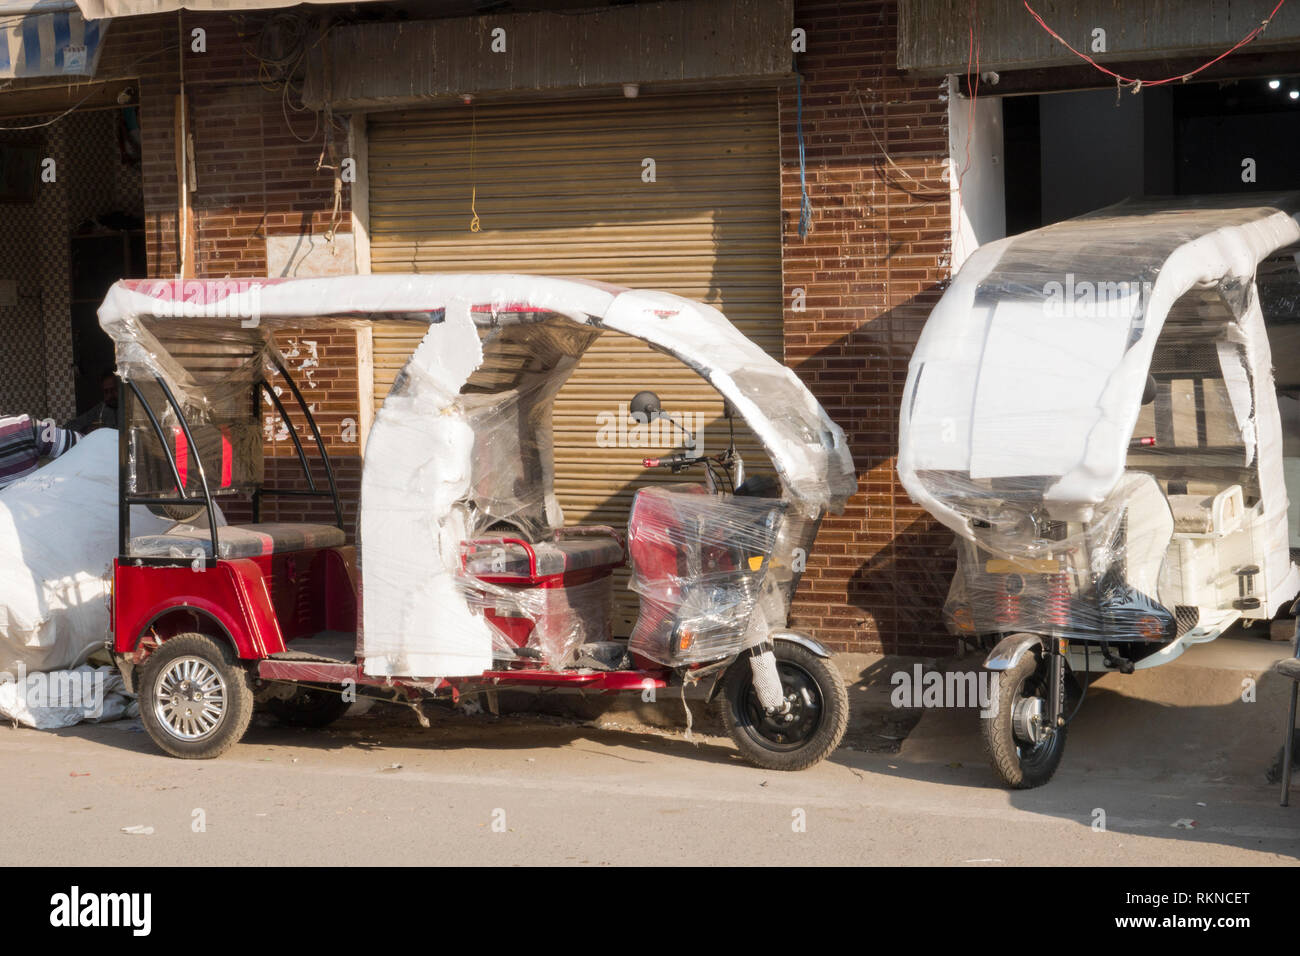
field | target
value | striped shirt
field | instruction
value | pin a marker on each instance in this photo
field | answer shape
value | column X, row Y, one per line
column 25, row 441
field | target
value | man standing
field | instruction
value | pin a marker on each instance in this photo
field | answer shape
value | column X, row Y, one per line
column 24, row 442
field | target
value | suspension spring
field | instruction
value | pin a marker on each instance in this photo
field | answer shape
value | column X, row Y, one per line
column 1058, row 600
column 1008, row 604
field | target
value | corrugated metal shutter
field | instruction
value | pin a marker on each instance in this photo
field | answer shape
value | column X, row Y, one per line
column 559, row 190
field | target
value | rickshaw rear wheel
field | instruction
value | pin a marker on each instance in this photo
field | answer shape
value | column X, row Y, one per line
column 196, row 700
column 1021, row 765
column 312, row 705
column 813, row 728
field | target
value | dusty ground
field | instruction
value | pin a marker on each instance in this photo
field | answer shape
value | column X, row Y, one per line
column 536, row 790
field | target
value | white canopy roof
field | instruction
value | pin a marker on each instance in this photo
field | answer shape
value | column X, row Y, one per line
column 1035, row 360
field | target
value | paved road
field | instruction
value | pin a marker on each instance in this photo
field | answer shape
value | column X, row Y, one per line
column 528, row 790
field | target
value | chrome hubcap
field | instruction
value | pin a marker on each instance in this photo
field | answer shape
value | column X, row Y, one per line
column 190, row 700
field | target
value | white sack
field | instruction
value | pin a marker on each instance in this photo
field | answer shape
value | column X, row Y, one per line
column 62, row 698
column 58, row 537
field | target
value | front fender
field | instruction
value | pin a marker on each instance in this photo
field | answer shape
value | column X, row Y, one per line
column 1009, row 651
column 782, row 634
column 803, row 640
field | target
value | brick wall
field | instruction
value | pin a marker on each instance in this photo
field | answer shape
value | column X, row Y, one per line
column 872, row 266
column 255, row 173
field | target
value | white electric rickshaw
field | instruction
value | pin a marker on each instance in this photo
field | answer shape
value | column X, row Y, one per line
column 1091, row 408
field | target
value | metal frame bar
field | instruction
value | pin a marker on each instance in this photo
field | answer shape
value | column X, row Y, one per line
column 126, row 500
column 314, row 489
column 297, row 444
column 320, row 443
column 1288, row 741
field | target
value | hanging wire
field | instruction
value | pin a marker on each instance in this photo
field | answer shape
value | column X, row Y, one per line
column 1134, row 84
column 805, row 203
column 94, row 88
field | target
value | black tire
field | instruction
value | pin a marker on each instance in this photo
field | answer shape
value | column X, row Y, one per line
column 1020, row 767
column 312, row 705
column 212, row 729
column 820, row 718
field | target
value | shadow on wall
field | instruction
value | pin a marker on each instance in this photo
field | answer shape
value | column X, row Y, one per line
column 888, row 575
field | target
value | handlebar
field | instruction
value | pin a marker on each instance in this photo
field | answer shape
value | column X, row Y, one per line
column 673, row 461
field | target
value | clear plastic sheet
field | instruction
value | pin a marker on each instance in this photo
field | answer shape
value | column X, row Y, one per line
column 461, row 446
column 700, row 563
column 544, row 599
column 549, row 624
column 1091, row 408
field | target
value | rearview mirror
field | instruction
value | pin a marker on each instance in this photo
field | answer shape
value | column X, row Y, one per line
column 645, row 407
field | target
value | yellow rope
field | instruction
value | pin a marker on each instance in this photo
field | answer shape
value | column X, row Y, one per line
column 473, row 169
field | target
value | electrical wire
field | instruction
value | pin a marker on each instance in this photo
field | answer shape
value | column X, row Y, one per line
column 95, row 88
column 1136, row 84
column 805, row 203
column 972, row 59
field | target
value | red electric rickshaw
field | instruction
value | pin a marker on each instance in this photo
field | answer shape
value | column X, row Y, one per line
column 465, row 578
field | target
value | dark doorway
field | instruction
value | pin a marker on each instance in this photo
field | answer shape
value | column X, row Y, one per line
column 1070, row 153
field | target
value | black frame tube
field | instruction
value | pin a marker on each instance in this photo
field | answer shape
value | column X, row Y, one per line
column 198, row 461
column 320, row 443
column 297, row 445
column 126, row 500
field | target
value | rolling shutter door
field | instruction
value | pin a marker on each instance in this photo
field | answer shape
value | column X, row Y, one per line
column 558, row 188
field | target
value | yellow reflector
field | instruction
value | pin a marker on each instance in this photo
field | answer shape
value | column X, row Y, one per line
column 755, row 562
column 1025, row 566
column 1150, row 628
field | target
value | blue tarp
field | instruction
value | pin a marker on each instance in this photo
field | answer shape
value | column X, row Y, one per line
column 54, row 43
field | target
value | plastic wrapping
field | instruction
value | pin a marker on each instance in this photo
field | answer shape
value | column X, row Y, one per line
column 461, row 447
column 548, row 624
column 544, row 600
column 58, row 536
column 700, row 563
column 1091, row 409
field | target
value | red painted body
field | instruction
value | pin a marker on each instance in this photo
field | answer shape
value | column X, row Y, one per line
column 518, row 629
column 262, row 604
column 259, row 604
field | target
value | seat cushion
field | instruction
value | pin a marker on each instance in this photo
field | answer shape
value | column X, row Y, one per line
column 1193, row 514
column 238, row 541
column 488, row 557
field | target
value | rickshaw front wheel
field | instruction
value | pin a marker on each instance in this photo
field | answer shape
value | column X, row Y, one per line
column 809, row 731
column 196, row 700
column 1021, row 750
